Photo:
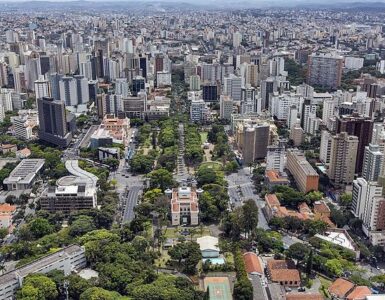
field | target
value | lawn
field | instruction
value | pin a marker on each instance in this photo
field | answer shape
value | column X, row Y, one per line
column 217, row 166
column 203, row 137
column 325, row 283
column 174, row 232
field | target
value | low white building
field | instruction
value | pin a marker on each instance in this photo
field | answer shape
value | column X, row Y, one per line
column 208, row 246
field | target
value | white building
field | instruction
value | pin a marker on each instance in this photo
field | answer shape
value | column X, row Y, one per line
column 372, row 165
column 325, row 147
column 68, row 260
column 42, row 88
column 353, row 63
column 276, row 157
column 237, row 39
column 233, row 87
column 225, row 107
column 198, row 111
column 381, row 66
column 281, row 104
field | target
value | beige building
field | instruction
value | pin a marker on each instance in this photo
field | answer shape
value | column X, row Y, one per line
column 252, row 141
column 343, row 155
column 184, row 205
column 297, row 134
column 305, row 176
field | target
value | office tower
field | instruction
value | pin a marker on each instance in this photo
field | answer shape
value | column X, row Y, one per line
column 85, row 69
column 343, row 156
column 19, row 79
column 252, row 141
column 381, row 66
column 237, row 39
column 233, row 87
column 159, row 63
column 368, row 205
column 252, row 75
column 292, row 116
column 3, row 74
column 68, row 91
column 2, row 113
column 276, row 157
column 198, row 111
column 297, row 134
column 353, row 63
column 361, row 127
column 373, row 160
column 134, row 107
column 138, row 84
column 210, row 92
column 122, row 87
column 304, row 175
column 93, row 89
column 111, row 104
column 19, row 100
column 32, row 69
column 268, row 87
column 277, row 66
column 22, row 127
column 195, row 83
column 312, row 123
column 307, row 109
column 325, row 147
column 325, row 70
column 83, row 96
column 225, row 107
column 54, row 80
column 45, row 64
column 42, row 88
column 53, row 122
column 143, row 65
column 248, row 102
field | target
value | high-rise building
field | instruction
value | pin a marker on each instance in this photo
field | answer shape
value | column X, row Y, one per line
column 210, row 92
column 343, row 155
column 325, row 70
column 42, row 88
column 54, row 80
column 195, row 83
column 53, row 122
column 325, row 147
column 237, row 39
column 292, row 117
column 248, row 101
column 373, row 160
column 297, row 134
column 198, row 111
column 83, row 95
column 359, row 126
column 225, row 107
column 138, row 84
column 368, row 205
column 122, row 87
column 307, row 109
column 68, row 91
column 268, row 87
column 233, row 87
column 276, row 157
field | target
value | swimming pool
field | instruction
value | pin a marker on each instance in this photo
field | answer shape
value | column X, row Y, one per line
column 215, row 260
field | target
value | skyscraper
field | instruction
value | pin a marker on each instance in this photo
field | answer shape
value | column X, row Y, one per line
column 373, row 159
column 343, row 155
column 361, row 127
column 53, row 122
column 42, row 88
column 325, row 70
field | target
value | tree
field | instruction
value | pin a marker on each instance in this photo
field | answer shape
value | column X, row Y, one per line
column 309, row 263
column 187, row 254
column 39, row 284
column 40, row 227
column 313, row 196
column 249, row 217
column 334, row 267
column 345, row 199
column 243, row 290
column 96, row 293
column 3, row 233
column 82, row 225
column 206, row 175
column 298, row 251
column 113, row 163
column 161, row 178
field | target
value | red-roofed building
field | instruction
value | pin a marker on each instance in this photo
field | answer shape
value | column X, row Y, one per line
column 340, row 288
column 359, row 293
column 283, row 272
column 253, row 263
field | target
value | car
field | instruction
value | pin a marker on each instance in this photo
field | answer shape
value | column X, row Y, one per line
column 301, row 289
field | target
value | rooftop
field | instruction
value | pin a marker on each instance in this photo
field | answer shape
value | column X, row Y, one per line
column 253, row 263
column 25, row 171
column 338, row 238
column 341, row 287
column 359, row 293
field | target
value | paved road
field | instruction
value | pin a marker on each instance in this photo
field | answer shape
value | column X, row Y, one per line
column 241, row 188
column 130, row 198
column 84, row 142
column 181, row 170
